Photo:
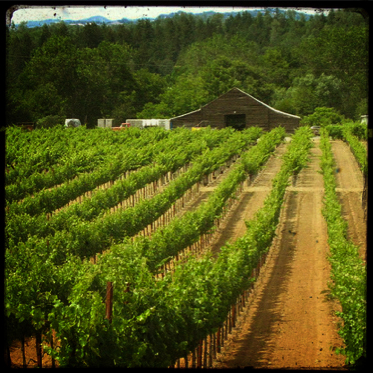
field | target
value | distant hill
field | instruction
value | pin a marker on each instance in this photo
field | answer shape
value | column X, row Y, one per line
column 94, row 19
column 102, row 20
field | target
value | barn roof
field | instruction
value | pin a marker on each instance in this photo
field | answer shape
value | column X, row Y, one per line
column 237, row 89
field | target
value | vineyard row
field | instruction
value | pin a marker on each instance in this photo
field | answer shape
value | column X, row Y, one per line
column 23, row 224
column 28, row 265
column 30, row 153
column 111, row 168
column 348, row 270
column 180, row 310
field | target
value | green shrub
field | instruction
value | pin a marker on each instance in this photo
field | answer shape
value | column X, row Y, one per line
column 335, row 131
column 360, row 130
column 348, row 272
column 322, row 117
column 50, row 121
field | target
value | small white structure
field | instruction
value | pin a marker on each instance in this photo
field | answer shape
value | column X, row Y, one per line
column 364, row 119
column 103, row 123
column 72, row 122
column 144, row 123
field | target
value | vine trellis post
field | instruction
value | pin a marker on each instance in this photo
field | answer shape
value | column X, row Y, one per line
column 109, row 301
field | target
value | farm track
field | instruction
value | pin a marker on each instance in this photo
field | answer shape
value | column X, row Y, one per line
column 190, row 200
column 289, row 322
column 249, row 202
column 350, row 187
column 205, row 188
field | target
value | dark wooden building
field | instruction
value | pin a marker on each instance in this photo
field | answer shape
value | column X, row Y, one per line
column 238, row 110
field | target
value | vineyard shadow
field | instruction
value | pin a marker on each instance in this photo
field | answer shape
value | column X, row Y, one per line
column 264, row 314
column 232, row 229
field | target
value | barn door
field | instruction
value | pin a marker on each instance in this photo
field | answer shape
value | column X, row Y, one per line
column 237, row 121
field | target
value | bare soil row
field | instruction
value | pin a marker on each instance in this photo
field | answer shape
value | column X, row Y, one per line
column 290, row 322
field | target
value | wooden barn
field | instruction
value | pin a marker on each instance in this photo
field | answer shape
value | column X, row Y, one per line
column 239, row 110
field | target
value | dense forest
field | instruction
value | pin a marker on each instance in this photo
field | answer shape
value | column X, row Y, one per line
column 168, row 66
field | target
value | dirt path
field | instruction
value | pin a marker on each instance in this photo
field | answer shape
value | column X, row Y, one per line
column 290, row 322
column 250, row 201
column 350, row 187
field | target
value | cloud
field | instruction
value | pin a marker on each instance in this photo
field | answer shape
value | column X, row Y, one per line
column 114, row 12
column 38, row 13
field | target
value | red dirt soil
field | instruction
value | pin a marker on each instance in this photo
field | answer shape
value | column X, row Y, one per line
column 290, row 323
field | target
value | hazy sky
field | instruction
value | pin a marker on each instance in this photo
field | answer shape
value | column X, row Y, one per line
column 38, row 13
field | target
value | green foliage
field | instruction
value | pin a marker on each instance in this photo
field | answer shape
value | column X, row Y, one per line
column 50, row 121
column 309, row 92
column 171, row 66
column 185, row 95
column 361, row 108
column 297, row 157
column 335, row 131
column 276, row 67
column 349, row 274
column 343, row 49
column 156, row 321
column 358, row 149
column 358, row 129
column 322, row 117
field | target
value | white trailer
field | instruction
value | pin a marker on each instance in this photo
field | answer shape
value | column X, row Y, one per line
column 144, row 123
column 364, row 119
column 104, row 123
column 72, row 123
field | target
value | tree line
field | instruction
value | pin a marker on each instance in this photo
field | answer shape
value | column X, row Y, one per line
column 169, row 66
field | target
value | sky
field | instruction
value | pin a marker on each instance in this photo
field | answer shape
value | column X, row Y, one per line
column 38, row 13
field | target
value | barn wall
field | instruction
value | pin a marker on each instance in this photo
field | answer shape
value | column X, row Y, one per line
column 187, row 120
column 278, row 119
column 236, row 102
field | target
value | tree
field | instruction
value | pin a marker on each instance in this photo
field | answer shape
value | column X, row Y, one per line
column 47, row 80
column 50, row 121
column 309, row 92
column 222, row 74
column 343, row 51
column 275, row 67
column 122, row 34
column 200, row 54
column 45, row 34
column 323, row 116
column 105, row 77
column 60, row 29
column 185, row 26
column 149, row 89
column 187, row 94
column 214, row 24
column 90, row 35
column 260, row 29
column 171, row 49
column 19, row 48
column 54, row 62
column 172, row 65
column 43, row 101
column 143, row 42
